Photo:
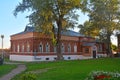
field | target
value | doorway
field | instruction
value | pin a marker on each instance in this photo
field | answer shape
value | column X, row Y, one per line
column 94, row 54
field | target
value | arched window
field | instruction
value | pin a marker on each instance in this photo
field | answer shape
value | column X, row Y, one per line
column 40, row 47
column 75, row 48
column 86, row 50
column 62, row 48
column 47, row 47
column 28, row 47
column 13, row 48
column 23, row 48
column 18, row 48
column 100, row 47
column 55, row 49
column 69, row 48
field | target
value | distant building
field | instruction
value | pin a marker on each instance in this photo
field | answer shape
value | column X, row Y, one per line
column 6, row 52
column 30, row 45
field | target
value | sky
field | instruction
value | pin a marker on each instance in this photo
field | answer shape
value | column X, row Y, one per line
column 9, row 24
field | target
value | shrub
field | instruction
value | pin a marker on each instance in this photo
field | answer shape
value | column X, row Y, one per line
column 28, row 76
column 102, row 75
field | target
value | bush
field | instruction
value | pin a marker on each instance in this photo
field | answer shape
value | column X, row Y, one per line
column 102, row 75
column 28, row 76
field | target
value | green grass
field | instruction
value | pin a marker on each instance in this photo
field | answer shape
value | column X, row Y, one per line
column 4, row 69
column 72, row 70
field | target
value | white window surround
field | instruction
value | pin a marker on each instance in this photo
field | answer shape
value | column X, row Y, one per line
column 13, row 48
column 23, row 47
column 18, row 48
column 40, row 47
column 69, row 48
column 62, row 48
column 75, row 48
column 47, row 47
column 100, row 47
column 55, row 49
column 28, row 47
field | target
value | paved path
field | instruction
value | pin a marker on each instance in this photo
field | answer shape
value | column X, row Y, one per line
column 19, row 69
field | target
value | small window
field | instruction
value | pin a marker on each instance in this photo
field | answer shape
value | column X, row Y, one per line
column 69, row 57
column 47, row 58
column 40, row 47
column 86, row 50
column 55, row 49
column 55, row 58
column 47, row 47
column 13, row 48
column 28, row 47
column 62, row 48
column 75, row 48
column 18, row 48
column 22, row 48
column 69, row 48
column 100, row 47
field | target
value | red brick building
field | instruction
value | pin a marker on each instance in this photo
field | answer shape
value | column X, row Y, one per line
column 30, row 45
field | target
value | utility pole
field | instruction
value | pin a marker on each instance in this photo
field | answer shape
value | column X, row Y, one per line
column 2, row 36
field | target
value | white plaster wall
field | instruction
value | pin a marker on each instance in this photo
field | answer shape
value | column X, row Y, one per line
column 28, row 58
column 43, row 58
column 21, row 58
column 70, row 57
column 101, row 55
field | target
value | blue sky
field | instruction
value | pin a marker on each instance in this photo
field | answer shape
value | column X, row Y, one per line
column 9, row 24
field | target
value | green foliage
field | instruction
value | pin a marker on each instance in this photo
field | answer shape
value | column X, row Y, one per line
column 46, row 12
column 88, row 29
column 104, row 16
column 104, row 19
column 114, row 47
column 28, row 76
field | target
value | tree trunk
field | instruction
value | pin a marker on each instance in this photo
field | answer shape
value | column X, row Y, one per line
column 109, row 49
column 59, row 54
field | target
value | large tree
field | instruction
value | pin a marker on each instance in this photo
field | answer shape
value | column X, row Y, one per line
column 50, row 15
column 105, row 18
column 88, row 29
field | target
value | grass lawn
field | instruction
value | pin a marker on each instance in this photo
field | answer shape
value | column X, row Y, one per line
column 4, row 69
column 71, row 70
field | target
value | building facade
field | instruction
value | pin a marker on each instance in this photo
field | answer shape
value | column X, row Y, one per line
column 30, row 45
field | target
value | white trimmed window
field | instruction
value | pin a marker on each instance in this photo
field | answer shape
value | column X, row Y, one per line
column 47, row 47
column 18, row 48
column 100, row 47
column 55, row 49
column 75, row 48
column 69, row 48
column 62, row 48
column 40, row 47
column 13, row 48
column 28, row 47
column 23, row 48
column 86, row 50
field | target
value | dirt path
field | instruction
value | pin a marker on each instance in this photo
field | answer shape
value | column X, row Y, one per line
column 10, row 75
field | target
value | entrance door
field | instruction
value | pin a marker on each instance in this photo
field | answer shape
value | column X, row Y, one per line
column 94, row 54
